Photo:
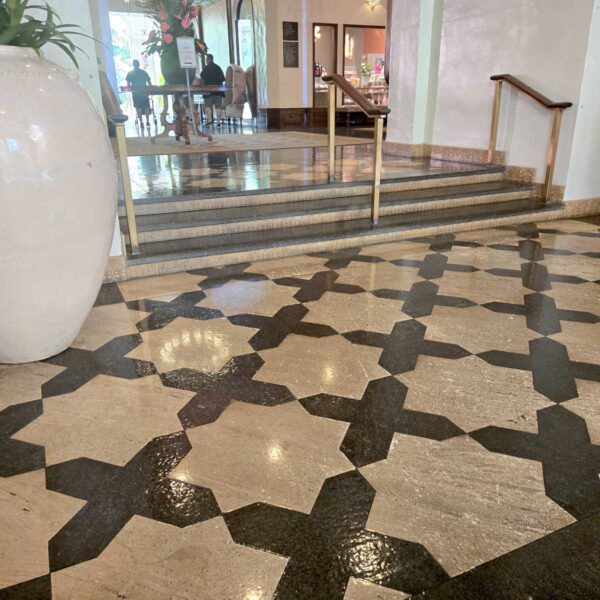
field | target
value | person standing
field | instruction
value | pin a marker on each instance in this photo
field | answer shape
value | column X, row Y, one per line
column 212, row 74
column 141, row 101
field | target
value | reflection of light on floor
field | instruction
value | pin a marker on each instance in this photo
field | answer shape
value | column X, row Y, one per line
column 329, row 373
column 208, row 341
column 275, row 453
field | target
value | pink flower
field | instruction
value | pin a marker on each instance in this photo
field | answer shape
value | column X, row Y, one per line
column 194, row 12
column 185, row 23
column 184, row 3
column 164, row 27
column 202, row 47
column 162, row 15
column 168, row 38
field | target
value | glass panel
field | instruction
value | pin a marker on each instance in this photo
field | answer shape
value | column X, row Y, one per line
column 325, row 37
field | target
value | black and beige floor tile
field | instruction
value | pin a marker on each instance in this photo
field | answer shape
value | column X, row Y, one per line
column 412, row 419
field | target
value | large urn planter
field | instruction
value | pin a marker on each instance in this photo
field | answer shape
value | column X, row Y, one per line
column 172, row 73
column 58, row 191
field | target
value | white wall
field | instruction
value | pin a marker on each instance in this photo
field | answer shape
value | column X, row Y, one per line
column 214, row 25
column 583, row 180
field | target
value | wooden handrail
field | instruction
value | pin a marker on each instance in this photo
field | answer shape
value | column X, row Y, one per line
column 367, row 107
column 523, row 87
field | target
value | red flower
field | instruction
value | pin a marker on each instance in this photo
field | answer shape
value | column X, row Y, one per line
column 168, row 38
column 164, row 27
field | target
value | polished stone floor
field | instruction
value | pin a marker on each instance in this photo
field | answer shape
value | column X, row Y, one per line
column 416, row 419
column 165, row 176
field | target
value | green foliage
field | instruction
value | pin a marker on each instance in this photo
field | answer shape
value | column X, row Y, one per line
column 20, row 29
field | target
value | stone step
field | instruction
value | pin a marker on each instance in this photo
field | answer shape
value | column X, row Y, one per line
column 193, row 253
column 223, row 221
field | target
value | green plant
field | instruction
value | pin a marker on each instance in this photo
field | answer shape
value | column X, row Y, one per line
column 173, row 18
column 365, row 69
column 20, row 29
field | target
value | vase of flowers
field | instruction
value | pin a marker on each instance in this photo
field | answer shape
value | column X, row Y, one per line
column 365, row 74
column 173, row 19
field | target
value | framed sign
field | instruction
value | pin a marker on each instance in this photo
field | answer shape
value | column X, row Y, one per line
column 291, row 55
column 187, row 52
column 290, row 31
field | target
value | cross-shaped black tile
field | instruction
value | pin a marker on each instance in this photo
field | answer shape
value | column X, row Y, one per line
column 115, row 494
column 217, row 390
column 530, row 250
column 330, row 545
column 444, row 242
column 553, row 372
column 403, row 346
column 313, row 288
column 376, row 417
column 218, row 276
column 84, row 365
column 433, row 266
column 570, row 461
column 163, row 313
column 340, row 259
column 541, row 313
column 535, row 276
column 18, row 457
column 273, row 330
column 421, row 299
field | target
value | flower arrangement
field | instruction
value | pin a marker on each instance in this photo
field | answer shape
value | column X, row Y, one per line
column 173, row 18
column 365, row 69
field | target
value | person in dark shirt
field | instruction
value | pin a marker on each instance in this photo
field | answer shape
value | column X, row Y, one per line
column 139, row 78
column 212, row 74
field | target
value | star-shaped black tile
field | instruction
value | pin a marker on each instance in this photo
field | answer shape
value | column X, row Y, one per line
column 218, row 276
column 553, row 372
column 433, row 266
column 273, row 330
column 331, row 544
column 421, row 299
column 571, row 463
column 83, row 365
column 541, row 313
column 403, row 346
column 376, row 417
column 18, row 457
column 114, row 494
column 34, row 589
column 535, row 276
column 163, row 313
column 444, row 242
column 314, row 288
column 217, row 390
column 530, row 250
column 339, row 259
column 109, row 294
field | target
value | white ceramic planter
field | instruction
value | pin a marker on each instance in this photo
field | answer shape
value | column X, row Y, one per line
column 58, row 193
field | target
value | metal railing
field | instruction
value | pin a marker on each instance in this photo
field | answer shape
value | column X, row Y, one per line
column 374, row 112
column 556, row 107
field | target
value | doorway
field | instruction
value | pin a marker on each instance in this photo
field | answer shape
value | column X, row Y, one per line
column 325, row 59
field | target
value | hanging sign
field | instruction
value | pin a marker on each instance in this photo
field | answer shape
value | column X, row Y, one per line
column 186, row 47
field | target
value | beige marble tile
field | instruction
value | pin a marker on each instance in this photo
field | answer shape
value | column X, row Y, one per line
column 581, row 339
column 486, row 258
column 291, row 266
column 570, row 226
column 255, row 297
column 569, row 296
column 29, row 516
column 487, row 236
column 363, row 590
column 587, row 406
column 580, row 266
column 152, row 287
column 396, row 250
column 574, row 243
column 105, row 323
column 309, row 366
column 473, row 394
column 193, row 344
column 23, row 383
column 464, row 504
column 350, row 312
column 477, row 329
column 108, row 419
column 481, row 287
column 375, row 276
column 149, row 560
column 280, row 455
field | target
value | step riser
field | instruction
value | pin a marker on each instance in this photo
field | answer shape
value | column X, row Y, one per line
column 326, row 217
column 182, row 205
column 218, row 260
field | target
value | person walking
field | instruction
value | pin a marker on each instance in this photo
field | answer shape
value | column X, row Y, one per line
column 141, row 101
column 212, row 74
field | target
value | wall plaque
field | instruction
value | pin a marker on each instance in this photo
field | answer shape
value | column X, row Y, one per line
column 290, row 31
column 291, row 59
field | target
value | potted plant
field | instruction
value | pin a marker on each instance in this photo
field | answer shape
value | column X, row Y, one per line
column 365, row 74
column 173, row 18
column 58, row 189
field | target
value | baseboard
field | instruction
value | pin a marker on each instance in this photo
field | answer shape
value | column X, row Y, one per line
column 581, row 208
column 116, row 269
column 284, row 118
column 450, row 153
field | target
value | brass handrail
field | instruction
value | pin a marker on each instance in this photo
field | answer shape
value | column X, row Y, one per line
column 373, row 112
column 556, row 107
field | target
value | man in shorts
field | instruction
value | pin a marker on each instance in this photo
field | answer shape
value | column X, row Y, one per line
column 139, row 78
column 212, row 74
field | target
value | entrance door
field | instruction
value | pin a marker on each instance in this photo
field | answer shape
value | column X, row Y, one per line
column 324, row 60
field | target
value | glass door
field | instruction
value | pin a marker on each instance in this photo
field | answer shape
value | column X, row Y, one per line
column 324, row 60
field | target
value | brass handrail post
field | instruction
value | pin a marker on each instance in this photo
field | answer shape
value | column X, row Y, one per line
column 551, row 160
column 495, row 120
column 119, row 122
column 331, row 132
column 377, row 158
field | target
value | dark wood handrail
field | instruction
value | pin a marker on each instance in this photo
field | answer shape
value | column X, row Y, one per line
column 367, row 107
column 520, row 85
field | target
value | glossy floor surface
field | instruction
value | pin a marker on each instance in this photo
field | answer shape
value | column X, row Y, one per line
column 417, row 419
column 167, row 176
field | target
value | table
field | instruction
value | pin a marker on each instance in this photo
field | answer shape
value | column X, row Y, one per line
column 180, row 124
